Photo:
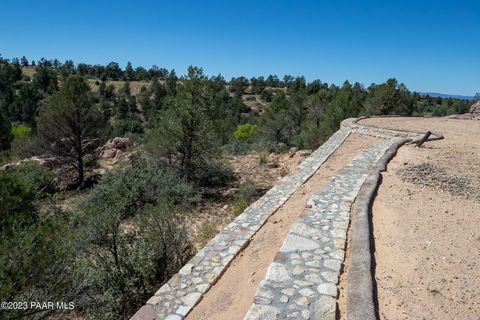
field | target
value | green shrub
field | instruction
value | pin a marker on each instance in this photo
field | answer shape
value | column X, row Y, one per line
column 38, row 179
column 36, row 259
column 238, row 206
column 246, row 132
column 4, row 157
column 21, row 131
column 207, row 231
column 127, row 191
column 263, row 158
column 213, row 173
column 23, row 147
column 236, row 147
column 265, row 144
column 122, row 127
column 242, row 198
column 124, row 264
column 439, row 111
column 16, row 205
column 134, row 237
column 251, row 98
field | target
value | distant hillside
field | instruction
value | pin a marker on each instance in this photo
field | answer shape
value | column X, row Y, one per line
column 443, row 95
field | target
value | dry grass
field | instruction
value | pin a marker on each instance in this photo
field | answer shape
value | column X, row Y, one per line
column 135, row 86
column 28, row 71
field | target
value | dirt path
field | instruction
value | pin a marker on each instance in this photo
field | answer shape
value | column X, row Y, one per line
column 231, row 297
column 427, row 240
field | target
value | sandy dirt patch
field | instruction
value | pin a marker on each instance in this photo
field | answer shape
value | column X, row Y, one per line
column 231, row 297
column 427, row 236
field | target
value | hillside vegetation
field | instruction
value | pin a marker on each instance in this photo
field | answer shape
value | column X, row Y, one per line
column 127, row 231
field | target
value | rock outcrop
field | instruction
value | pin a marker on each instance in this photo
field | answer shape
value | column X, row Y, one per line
column 475, row 108
column 115, row 149
column 43, row 161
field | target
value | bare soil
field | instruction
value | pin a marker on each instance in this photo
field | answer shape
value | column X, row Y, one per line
column 426, row 233
column 215, row 211
column 231, row 297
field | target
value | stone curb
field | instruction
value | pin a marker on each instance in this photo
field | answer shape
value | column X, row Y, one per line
column 360, row 304
column 176, row 298
column 360, row 295
column 352, row 124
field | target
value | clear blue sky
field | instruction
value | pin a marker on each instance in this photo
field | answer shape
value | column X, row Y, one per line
column 428, row 45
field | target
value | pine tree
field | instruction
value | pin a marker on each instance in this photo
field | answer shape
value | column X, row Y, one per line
column 159, row 92
column 69, row 118
column 171, row 83
column 24, row 61
column 185, row 133
column 129, row 72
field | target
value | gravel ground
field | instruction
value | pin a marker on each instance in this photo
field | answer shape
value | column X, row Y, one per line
column 431, row 176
